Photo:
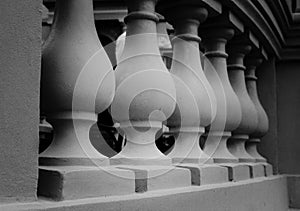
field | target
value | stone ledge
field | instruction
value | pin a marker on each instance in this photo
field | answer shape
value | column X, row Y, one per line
column 150, row 178
column 293, row 182
column 206, row 174
column 237, row 171
column 78, row 182
column 262, row 194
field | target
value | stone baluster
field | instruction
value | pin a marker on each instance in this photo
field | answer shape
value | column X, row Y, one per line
column 216, row 32
column 236, row 72
column 189, row 119
column 252, row 62
column 196, row 103
column 238, row 48
column 69, row 64
column 77, row 83
column 145, row 97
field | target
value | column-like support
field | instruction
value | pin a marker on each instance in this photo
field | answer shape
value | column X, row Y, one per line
column 196, row 103
column 252, row 62
column 145, row 97
column 77, row 83
column 189, row 119
column 216, row 33
column 237, row 50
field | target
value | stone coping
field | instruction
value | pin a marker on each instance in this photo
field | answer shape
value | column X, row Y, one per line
column 265, row 193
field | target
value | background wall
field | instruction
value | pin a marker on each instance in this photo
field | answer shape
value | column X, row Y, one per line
column 288, row 95
column 268, row 96
column 20, row 58
column 279, row 91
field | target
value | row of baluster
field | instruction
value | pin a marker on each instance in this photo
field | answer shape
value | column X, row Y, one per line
column 215, row 97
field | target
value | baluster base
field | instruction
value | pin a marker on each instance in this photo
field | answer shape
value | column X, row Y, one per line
column 140, row 148
column 78, row 182
column 187, row 148
column 216, row 147
column 72, row 161
column 268, row 169
column 71, row 145
column 150, row 178
column 237, row 172
column 206, row 174
column 256, row 170
column 236, row 145
column 251, row 147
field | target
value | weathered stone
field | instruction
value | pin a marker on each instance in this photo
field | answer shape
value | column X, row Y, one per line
column 206, row 174
column 78, row 182
column 149, row 178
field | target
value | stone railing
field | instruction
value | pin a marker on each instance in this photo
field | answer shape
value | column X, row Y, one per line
column 213, row 95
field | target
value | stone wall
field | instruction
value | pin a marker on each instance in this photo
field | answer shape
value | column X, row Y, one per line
column 288, row 89
column 20, row 49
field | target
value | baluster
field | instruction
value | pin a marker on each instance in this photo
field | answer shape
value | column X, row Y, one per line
column 189, row 119
column 196, row 103
column 145, row 97
column 216, row 32
column 66, row 69
column 77, row 83
column 252, row 62
column 237, row 49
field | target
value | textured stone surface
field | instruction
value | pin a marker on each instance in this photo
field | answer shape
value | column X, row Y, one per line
column 69, row 183
column 264, row 194
column 288, row 89
column 256, row 170
column 237, row 172
column 149, row 178
column 293, row 182
column 206, row 174
column 20, row 23
column 268, row 169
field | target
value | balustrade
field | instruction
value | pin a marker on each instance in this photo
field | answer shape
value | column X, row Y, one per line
column 215, row 36
column 216, row 33
column 78, row 82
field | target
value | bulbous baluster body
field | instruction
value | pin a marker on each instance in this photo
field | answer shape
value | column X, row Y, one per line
column 77, row 83
column 196, row 103
column 236, row 71
column 145, row 94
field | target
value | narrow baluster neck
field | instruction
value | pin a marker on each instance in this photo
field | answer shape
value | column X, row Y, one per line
column 186, row 26
column 141, row 17
column 251, row 84
column 237, row 78
column 250, row 74
column 70, row 13
column 215, row 48
column 141, row 5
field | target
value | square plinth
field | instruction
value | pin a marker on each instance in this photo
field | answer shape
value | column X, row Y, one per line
column 256, row 170
column 268, row 169
column 237, row 172
column 149, row 178
column 206, row 174
column 77, row 182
